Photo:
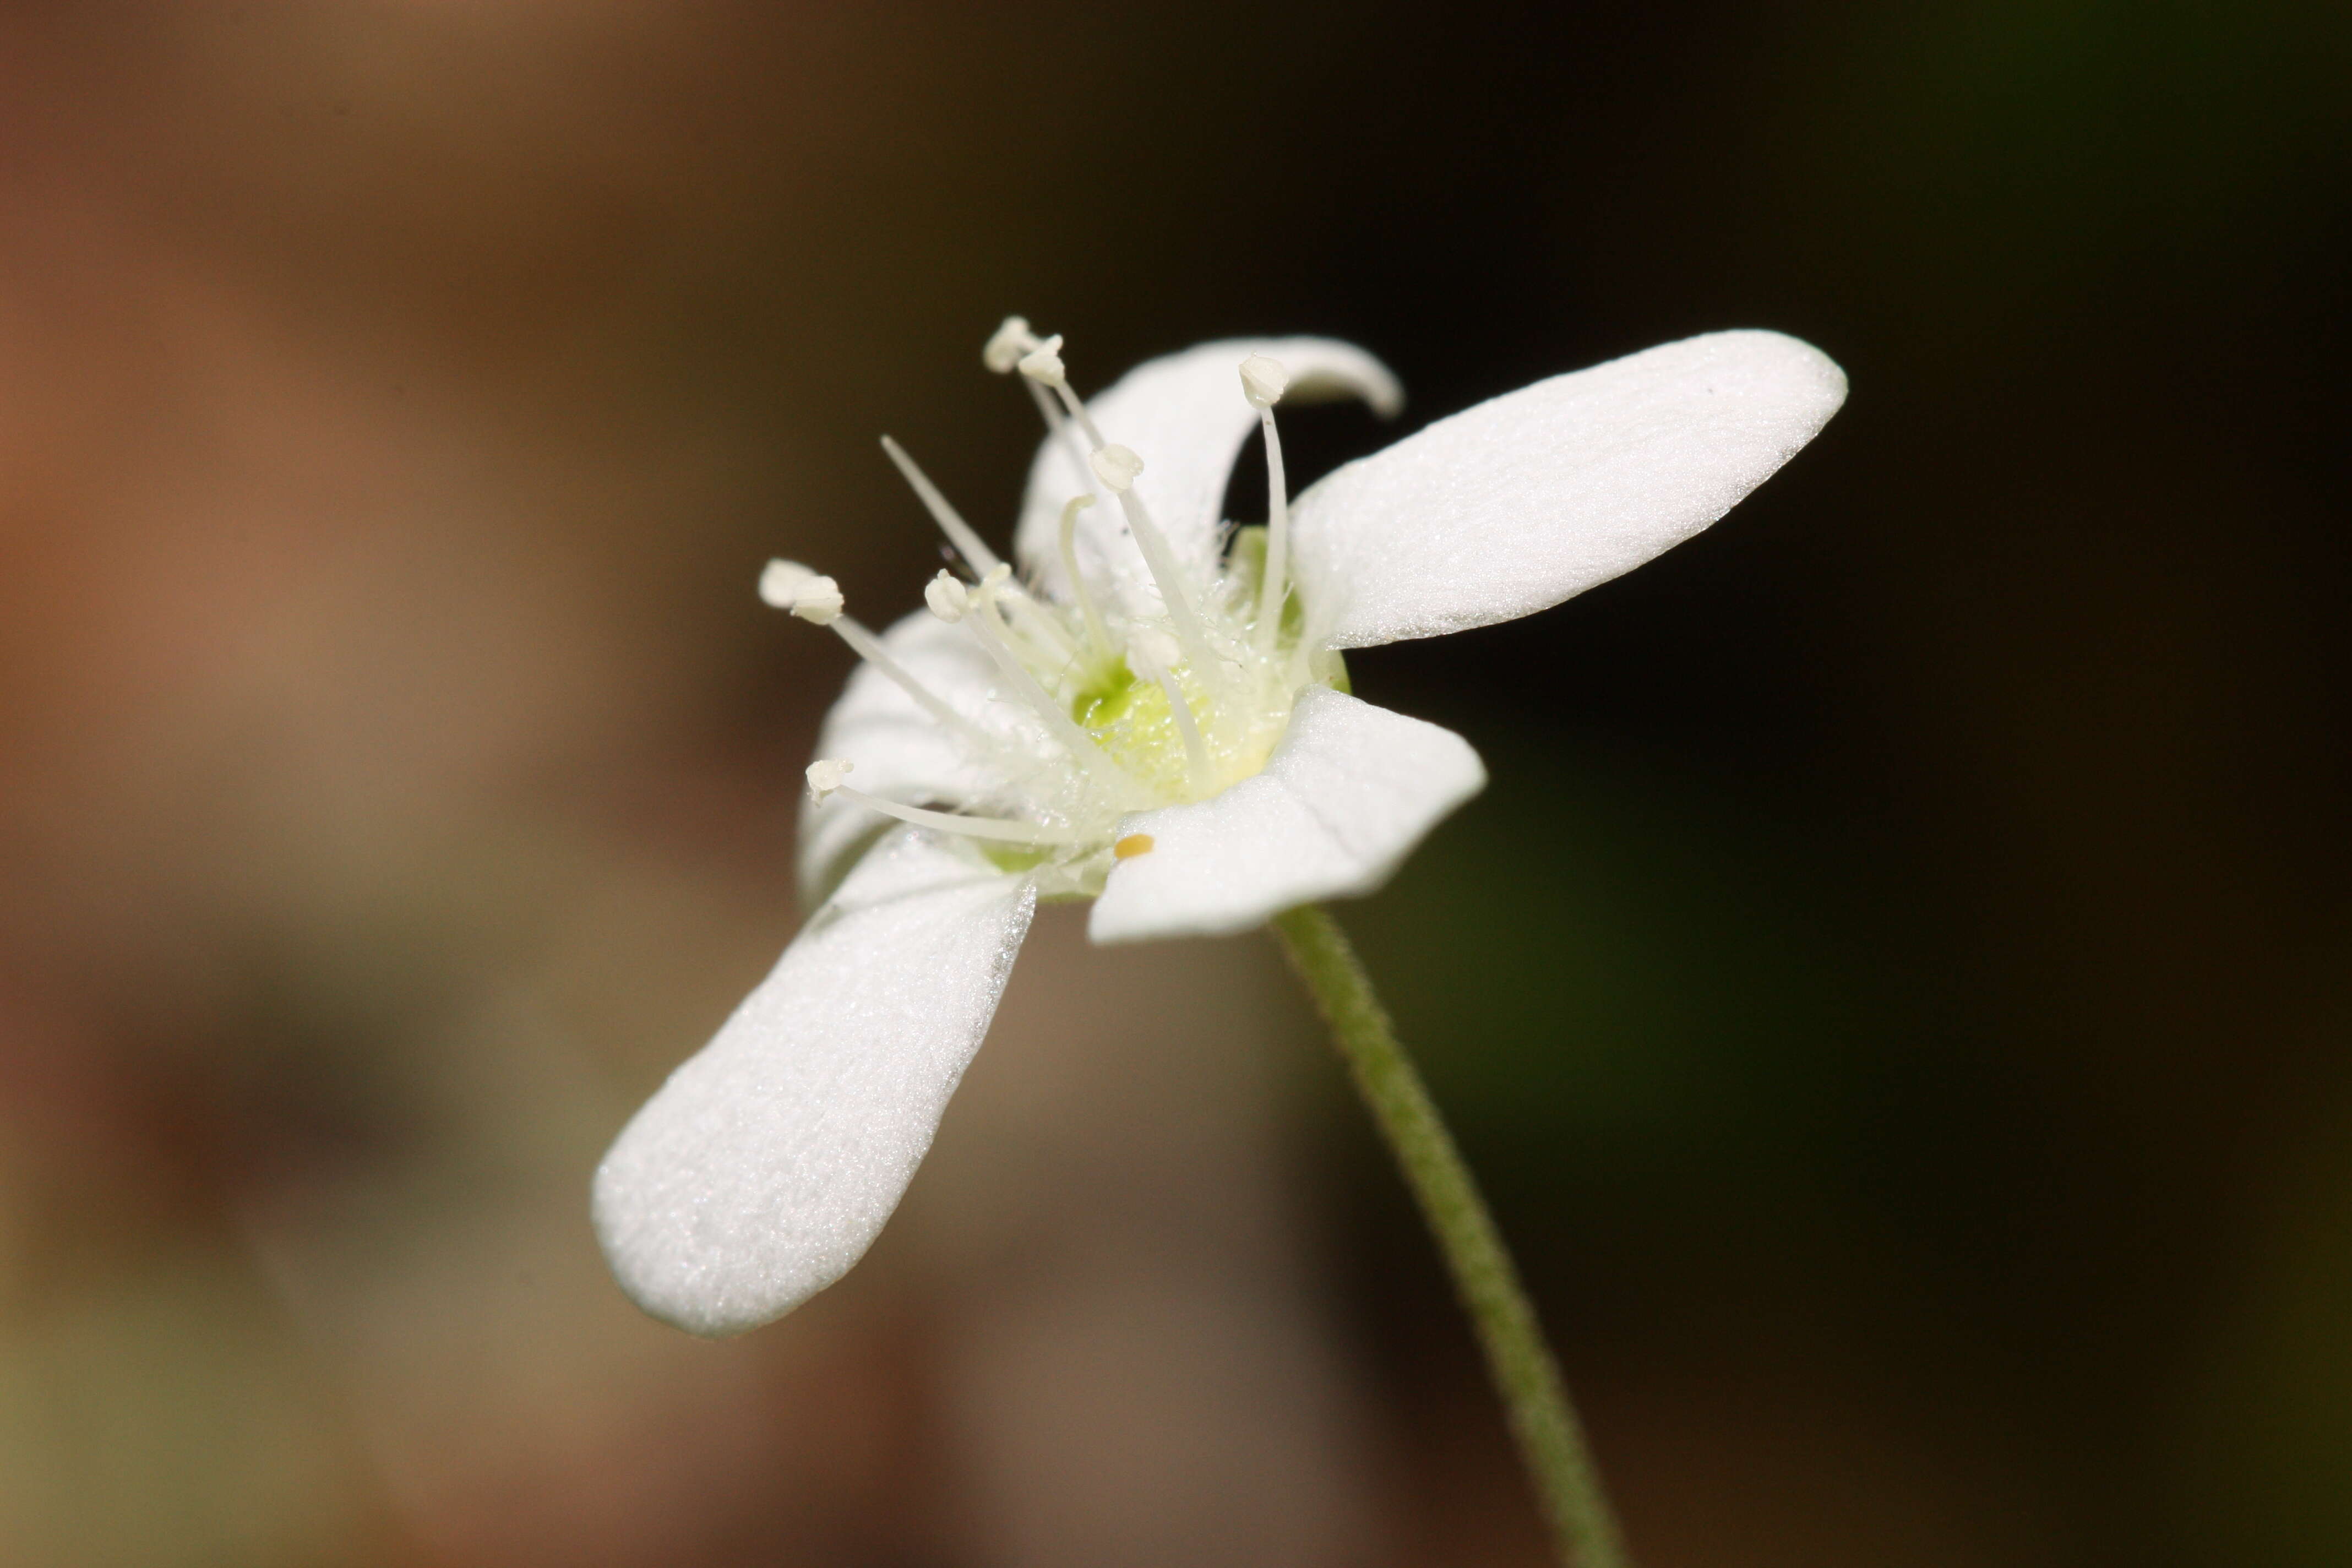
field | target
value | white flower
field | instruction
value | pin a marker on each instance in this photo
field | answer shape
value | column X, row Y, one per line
column 1158, row 720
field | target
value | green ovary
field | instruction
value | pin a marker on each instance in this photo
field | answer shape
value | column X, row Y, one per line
column 1136, row 726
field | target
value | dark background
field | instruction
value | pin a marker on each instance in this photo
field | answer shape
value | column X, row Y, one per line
column 1896, row 988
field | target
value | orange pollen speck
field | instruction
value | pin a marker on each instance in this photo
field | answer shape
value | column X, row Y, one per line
column 1134, row 844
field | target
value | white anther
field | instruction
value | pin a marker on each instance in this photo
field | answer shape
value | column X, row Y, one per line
column 1044, row 363
column 997, row 576
column 780, row 580
column 825, row 775
column 1117, row 467
column 1264, row 381
column 819, row 602
column 1013, row 339
column 788, row 585
column 948, row 598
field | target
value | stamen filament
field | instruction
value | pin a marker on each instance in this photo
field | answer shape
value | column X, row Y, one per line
column 1082, row 747
column 1038, row 627
column 869, row 648
column 1062, row 430
column 960, row 533
column 1097, row 633
column 1039, row 361
column 1162, row 562
column 1003, row 829
column 1078, row 412
column 1275, row 588
column 1158, row 559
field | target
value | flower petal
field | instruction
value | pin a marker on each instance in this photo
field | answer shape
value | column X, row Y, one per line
column 1523, row 501
column 1349, row 791
column 900, row 751
column 1185, row 415
column 767, row 1164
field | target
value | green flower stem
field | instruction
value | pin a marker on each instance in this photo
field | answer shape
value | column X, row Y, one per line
column 1551, row 1440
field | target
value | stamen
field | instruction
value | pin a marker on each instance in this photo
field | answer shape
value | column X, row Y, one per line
column 809, row 594
column 1012, row 342
column 1264, row 381
column 1134, row 844
column 1043, row 360
column 1043, row 364
column 1119, row 468
column 788, row 585
column 1000, row 829
column 1006, row 346
column 1035, row 624
column 824, row 778
column 948, row 598
column 1058, row 424
column 951, row 524
column 781, row 579
column 1096, row 633
column 951, row 601
column 869, row 647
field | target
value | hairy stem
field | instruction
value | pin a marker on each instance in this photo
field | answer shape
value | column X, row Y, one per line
column 1550, row 1439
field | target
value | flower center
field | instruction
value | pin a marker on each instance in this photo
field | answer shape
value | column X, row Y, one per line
column 1113, row 705
column 1175, row 735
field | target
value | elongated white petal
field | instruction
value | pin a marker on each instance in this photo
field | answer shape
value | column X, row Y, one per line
column 767, row 1164
column 899, row 752
column 1523, row 501
column 1346, row 796
column 1186, row 418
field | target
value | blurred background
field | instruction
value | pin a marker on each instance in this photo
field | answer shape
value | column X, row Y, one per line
column 1898, row 989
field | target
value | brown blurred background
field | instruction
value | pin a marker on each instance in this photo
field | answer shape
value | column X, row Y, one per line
column 1898, row 989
